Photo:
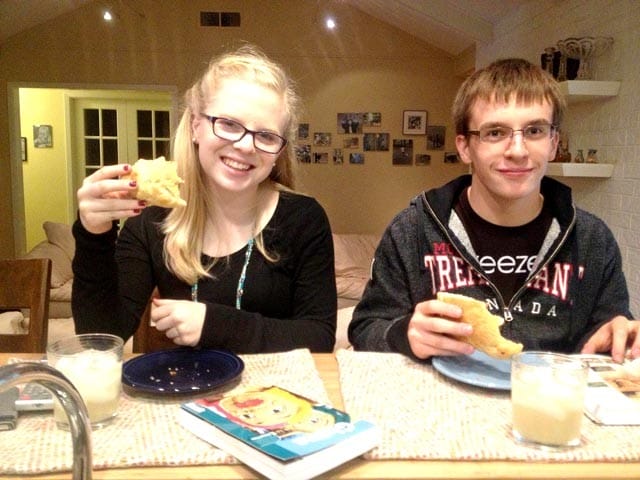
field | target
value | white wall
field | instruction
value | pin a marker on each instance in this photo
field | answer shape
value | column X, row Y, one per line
column 611, row 126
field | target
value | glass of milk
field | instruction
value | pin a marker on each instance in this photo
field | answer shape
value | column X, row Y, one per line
column 547, row 398
column 93, row 364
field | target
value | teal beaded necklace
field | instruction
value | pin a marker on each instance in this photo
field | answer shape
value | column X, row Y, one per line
column 243, row 276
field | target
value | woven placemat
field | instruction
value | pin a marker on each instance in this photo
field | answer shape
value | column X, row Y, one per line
column 146, row 431
column 424, row 415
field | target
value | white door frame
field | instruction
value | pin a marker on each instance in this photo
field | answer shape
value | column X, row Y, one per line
column 13, row 100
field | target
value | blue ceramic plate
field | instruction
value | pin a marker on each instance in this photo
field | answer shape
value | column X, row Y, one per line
column 478, row 369
column 181, row 371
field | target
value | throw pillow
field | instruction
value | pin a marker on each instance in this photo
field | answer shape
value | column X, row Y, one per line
column 60, row 234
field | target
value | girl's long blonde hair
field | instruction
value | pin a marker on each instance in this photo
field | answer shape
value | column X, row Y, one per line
column 184, row 226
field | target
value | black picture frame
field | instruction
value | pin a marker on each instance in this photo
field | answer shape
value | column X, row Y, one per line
column 414, row 122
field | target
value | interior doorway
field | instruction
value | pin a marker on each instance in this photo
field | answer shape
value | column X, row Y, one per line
column 89, row 128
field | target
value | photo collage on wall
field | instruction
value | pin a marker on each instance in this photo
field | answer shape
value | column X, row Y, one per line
column 357, row 133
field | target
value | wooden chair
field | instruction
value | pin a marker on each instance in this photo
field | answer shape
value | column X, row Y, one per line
column 147, row 338
column 24, row 284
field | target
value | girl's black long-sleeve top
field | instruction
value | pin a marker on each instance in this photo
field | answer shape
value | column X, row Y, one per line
column 287, row 304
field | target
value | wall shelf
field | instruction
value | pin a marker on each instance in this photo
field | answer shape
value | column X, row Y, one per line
column 595, row 170
column 588, row 90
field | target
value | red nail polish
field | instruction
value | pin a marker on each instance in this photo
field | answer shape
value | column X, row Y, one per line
column 136, row 210
column 142, row 203
column 133, row 183
column 126, row 168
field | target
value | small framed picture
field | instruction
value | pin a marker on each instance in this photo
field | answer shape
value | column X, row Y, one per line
column 322, row 139
column 356, row 158
column 23, row 148
column 451, row 157
column 303, row 131
column 42, row 136
column 435, row 137
column 303, row 153
column 423, row 159
column 414, row 122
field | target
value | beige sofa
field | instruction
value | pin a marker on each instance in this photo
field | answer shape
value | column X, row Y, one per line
column 59, row 247
column 353, row 256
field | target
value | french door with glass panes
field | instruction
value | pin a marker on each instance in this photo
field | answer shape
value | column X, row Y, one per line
column 108, row 132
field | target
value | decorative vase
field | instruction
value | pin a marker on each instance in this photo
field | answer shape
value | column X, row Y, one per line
column 548, row 59
column 591, row 156
column 584, row 49
column 579, row 158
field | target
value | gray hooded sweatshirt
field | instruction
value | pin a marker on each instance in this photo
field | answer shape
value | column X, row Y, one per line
column 575, row 286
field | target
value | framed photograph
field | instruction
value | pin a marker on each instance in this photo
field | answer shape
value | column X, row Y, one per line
column 402, row 151
column 351, row 142
column 23, row 148
column 322, row 139
column 414, row 122
column 42, row 136
column 435, row 137
column 372, row 119
column 376, row 142
column 303, row 153
column 350, row 122
column 451, row 157
column 320, row 157
column 338, row 157
column 303, row 131
column 356, row 158
column 423, row 159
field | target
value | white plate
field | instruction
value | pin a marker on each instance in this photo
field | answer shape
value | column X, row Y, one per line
column 478, row 369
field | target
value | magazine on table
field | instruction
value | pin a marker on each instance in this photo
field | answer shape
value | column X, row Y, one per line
column 279, row 433
column 612, row 390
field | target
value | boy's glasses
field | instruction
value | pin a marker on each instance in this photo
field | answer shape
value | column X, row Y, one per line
column 499, row 134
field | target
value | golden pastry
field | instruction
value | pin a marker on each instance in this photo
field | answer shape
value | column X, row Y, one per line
column 158, row 182
column 486, row 332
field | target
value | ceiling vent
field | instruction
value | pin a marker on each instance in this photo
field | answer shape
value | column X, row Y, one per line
column 219, row 19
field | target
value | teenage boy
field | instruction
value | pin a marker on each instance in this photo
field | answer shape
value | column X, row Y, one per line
column 505, row 234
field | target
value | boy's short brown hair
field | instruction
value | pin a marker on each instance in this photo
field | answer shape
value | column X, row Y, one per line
column 503, row 79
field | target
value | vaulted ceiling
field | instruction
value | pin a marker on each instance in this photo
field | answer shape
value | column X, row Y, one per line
column 451, row 25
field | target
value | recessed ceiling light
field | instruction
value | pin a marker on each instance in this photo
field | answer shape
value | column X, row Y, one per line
column 330, row 23
column 107, row 16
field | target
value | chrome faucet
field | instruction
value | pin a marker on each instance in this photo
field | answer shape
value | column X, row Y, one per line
column 23, row 372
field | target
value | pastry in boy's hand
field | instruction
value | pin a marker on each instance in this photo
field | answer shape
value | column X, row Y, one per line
column 158, row 182
column 486, row 332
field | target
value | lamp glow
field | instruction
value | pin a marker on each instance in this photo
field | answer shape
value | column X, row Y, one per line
column 107, row 16
column 330, row 23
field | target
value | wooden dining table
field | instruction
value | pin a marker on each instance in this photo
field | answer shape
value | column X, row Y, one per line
column 372, row 469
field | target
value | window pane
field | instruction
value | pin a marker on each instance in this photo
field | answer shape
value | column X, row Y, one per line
column 91, row 122
column 162, row 148
column 144, row 123
column 110, row 152
column 145, row 149
column 109, row 123
column 92, row 152
column 162, row 124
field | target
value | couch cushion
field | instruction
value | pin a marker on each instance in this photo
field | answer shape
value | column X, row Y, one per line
column 351, row 282
column 353, row 256
column 342, row 328
column 60, row 234
column 61, row 271
column 354, row 250
column 62, row 293
column 12, row 323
